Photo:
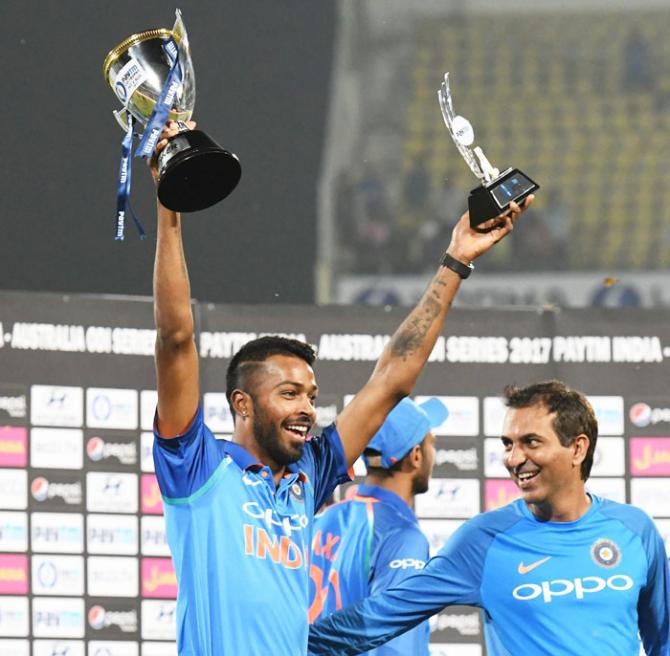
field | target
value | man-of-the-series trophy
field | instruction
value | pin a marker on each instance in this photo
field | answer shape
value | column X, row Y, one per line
column 497, row 190
column 152, row 75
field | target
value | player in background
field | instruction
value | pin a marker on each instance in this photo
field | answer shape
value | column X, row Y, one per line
column 559, row 571
column 372, row 541
column 239, row 512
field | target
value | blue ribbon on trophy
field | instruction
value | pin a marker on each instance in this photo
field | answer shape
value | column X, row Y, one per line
column 123, row 207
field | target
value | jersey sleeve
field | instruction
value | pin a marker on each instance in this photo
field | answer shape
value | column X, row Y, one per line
column 654, row 602
column 398, row 556
column 324, row 463
column 184, row 464
column 453, row 576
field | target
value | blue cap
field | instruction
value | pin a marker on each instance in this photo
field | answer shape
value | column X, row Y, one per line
column 406, row 426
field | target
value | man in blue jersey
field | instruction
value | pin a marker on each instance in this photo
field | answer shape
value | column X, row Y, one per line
column 239, row 513
column 372, row 541
column 558, row 572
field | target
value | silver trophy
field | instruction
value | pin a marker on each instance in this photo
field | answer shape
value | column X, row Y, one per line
column 152, row 75
column 497, row 190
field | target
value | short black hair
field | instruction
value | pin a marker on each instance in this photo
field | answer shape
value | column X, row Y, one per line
column 574, row 414
column 246, row 361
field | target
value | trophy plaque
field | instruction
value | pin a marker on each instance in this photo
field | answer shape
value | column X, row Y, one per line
column 497, row 190
column 152, row 75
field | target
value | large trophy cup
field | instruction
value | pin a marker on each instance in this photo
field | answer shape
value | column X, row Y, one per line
column 497, row 190
column 152, row 75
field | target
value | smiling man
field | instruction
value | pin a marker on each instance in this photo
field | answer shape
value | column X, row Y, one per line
column 558, row 572
column 239, row 513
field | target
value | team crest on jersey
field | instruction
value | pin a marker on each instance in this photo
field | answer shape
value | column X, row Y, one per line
column 297, row 492
column 606, row 553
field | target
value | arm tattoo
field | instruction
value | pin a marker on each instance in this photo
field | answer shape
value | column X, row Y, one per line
column 411, row 334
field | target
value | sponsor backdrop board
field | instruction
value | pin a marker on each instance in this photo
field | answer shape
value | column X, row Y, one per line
column 84, row 566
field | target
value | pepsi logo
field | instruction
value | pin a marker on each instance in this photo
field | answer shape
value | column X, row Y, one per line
column 95, row 448
column 39, row 488
column 96, row 617
column 640, row 414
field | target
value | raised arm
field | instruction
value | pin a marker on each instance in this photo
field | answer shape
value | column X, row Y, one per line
column 406, row 354
column 176, row 354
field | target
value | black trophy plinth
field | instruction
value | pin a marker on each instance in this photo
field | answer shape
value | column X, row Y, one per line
column 195, row 172
column 493, row 198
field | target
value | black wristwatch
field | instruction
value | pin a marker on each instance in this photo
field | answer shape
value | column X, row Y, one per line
column 463, row 270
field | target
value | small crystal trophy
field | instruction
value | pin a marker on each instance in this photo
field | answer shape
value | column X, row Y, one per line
column 497, row 190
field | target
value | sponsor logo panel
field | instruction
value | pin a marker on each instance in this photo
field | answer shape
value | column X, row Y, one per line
column 13, row 489
column 609, row 413
column 609, row 458
column 456, row 624
column 454, row 649
column 13, row 574
column 159, row 619
column 111, row 451
column 154, row 539
column 13, row 531
column 147, row 452
column 113, row 648
column 113, row 492
column 438, row 531
column 58, row 617
column 111, row 534
column 650, row 416
column 14, row 617
column 56, row 490
column 652, row 495
column 59, row 648
column 14, row 647
column 58, row 575
column 148, row 403
column 13, row 404
column 493, row 458
column 463, row 419
column 56, row 448
column 159, row 649
column 499, row 492
column 326, row 411
column 54, row 405
column 650, row 456
column 608, row 488
column 152, row 503
column 217, row 413
column 13, row 446
column 109, row 576
column 158, row 578
column 494, row 416
column 57, row 532
column 449, row 497
column 112, row 619
column 456, row 456
column 111, row 408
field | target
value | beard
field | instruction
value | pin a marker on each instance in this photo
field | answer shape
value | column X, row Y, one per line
column 269, row 439
column 420, row 484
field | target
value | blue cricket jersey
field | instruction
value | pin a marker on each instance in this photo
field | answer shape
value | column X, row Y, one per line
column 240, row 547
column 362, row 546
column 565, row 589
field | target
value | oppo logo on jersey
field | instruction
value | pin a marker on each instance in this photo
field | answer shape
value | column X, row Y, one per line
column 563, row 587
column 271, row 519
column 407, row 563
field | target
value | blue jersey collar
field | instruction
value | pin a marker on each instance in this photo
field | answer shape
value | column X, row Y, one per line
column 388, row 497
column 245, row 461
column 528, row 513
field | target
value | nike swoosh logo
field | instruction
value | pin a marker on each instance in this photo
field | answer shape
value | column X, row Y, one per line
column 524, row 569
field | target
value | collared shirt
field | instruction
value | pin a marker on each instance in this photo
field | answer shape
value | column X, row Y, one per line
column 593, row 586
column 362, row 546
column 240, row 546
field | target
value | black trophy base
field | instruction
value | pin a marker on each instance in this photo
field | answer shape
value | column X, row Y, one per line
column 492, row 199
column 195, row 172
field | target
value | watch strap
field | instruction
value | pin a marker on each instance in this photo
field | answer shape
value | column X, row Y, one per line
column 463, row 270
